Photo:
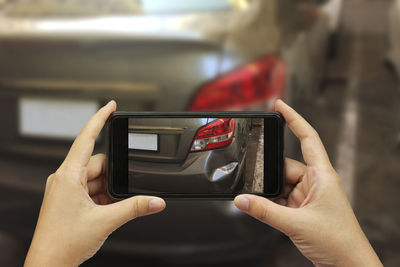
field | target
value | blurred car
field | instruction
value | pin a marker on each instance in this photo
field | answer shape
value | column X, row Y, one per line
column 186, row 155
column 60, row 60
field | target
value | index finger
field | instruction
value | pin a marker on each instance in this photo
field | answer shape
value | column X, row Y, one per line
column 313, row 150
column 294, row 171
column 82, row 148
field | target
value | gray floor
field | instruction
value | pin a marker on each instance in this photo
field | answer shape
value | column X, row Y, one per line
column 359, row 81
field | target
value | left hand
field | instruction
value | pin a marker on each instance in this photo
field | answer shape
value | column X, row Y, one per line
column 77, row 215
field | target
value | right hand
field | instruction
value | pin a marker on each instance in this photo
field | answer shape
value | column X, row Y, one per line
column 313, row 211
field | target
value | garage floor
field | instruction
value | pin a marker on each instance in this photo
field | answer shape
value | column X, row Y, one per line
column 358, row 117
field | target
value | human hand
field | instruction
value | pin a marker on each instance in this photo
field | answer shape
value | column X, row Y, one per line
column 313, row 211
column 77, row 215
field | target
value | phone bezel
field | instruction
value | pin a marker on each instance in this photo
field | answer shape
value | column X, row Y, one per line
column 117, row 158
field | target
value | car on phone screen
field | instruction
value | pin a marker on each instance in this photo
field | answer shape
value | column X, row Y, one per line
column 186, row 155
column 61, row 60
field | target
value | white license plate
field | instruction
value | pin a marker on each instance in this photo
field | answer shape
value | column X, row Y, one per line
column 143, row 141
column 53, row 118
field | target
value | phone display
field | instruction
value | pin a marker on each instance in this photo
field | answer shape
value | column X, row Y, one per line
column 195, row 154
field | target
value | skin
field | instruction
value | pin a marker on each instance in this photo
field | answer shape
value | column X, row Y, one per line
column 77, row 215
column 313, row 211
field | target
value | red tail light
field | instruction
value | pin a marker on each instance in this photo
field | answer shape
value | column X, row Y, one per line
column 216, row 134
column 254, row 84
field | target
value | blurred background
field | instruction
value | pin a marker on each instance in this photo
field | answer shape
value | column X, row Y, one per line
column 336, row 61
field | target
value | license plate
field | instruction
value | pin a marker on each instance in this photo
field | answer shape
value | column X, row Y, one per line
column 143, row 141
column 53, row 118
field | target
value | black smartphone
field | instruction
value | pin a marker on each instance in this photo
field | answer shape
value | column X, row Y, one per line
column 195, row 154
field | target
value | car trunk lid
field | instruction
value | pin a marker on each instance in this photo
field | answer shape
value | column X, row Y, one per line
column 174, row 137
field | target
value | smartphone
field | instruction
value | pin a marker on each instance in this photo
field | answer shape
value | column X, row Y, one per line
column 214, row 155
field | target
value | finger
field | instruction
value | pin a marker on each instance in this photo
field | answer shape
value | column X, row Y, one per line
column 96, row 166
column 294, row 171
column 265, row 210
column 97, row 185
column 102, row 198
column 82, row 148
column 123, row 211
column 286, row 191
column 312, row 148
column 281, row 201
column 296, row 197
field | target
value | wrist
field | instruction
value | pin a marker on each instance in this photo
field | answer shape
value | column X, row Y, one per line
column 41, row 255
column 359, row 253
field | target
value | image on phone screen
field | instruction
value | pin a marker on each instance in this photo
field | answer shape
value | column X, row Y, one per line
column 196, row 155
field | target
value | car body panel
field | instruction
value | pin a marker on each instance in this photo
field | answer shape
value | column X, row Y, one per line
column 175, row 137
column 173, row 168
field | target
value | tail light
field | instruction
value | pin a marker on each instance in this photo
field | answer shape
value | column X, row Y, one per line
column 216, row 134
column 254, row 84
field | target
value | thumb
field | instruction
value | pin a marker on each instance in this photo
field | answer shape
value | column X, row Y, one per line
column 123, row 211
column 275, row 215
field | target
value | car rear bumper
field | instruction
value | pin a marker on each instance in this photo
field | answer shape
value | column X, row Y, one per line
column 201, row 172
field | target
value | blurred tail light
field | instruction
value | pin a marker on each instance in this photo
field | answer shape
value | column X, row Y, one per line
column 254, row 84
column 216, row 134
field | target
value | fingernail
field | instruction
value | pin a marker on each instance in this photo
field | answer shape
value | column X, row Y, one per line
column 109, row 103
column 242, row 203
column 283, row 102
column 156, row 204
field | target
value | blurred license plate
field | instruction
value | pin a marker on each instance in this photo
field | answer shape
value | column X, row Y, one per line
column 53, row 118
column 143, row 141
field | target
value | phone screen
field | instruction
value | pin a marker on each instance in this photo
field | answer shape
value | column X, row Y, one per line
column 210, row 155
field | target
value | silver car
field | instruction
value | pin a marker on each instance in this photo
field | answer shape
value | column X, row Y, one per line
column 60, row 60
column 187, row 155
